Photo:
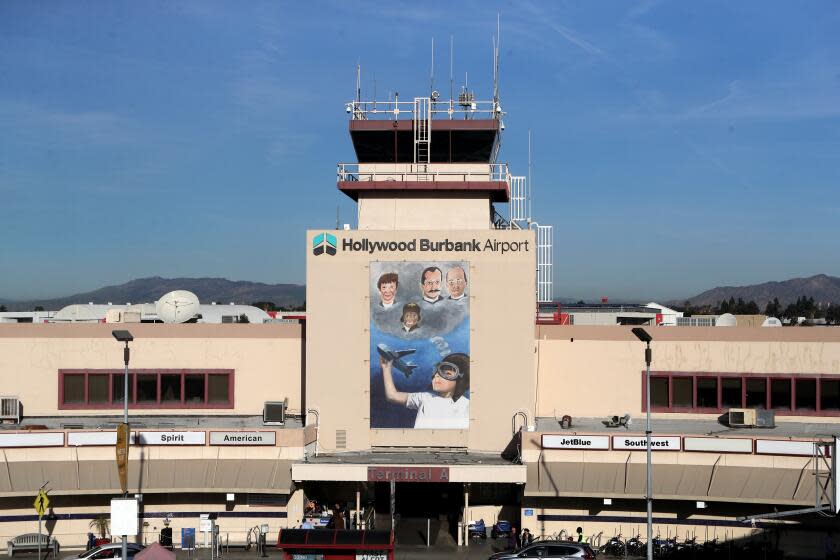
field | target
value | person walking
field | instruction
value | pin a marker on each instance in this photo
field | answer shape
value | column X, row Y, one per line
column 513, row 540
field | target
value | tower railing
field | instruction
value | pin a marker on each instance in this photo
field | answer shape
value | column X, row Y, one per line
column 449, row 109
column 497, row 172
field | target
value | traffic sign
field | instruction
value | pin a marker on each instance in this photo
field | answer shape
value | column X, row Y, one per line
column 42, row 502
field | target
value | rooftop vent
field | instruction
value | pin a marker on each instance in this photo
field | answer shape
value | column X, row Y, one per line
column 10, row 409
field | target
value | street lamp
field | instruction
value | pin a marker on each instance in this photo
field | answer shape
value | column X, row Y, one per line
column 125, row 336
column 643, row 335
column 122, row 450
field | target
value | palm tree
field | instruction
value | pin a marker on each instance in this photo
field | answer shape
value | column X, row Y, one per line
column 101, row 523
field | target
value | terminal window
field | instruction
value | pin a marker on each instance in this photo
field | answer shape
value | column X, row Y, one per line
column 795, row 394
column 88, row 389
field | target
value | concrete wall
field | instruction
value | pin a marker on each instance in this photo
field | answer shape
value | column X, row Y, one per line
column 266, row 360
column 590, row 371
column 502, row 303
column 382, row 211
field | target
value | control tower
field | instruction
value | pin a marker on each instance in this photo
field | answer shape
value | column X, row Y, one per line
column 420, row 321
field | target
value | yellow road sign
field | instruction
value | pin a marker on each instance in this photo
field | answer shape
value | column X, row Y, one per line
column 42, row 502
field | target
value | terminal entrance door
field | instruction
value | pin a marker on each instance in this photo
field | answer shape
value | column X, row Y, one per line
column 421, row 508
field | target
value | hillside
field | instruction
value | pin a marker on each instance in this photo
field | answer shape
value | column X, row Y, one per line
column 824, row 289
column 147, row 290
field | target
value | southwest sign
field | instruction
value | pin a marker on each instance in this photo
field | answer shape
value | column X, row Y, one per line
column 639, row 443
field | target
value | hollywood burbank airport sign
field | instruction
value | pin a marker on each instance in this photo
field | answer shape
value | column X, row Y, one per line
column 328, row 243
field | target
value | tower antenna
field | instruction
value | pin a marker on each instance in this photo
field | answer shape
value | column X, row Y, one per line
column 530, row 185
column 358, row 83
column 496, row 56
column 451, row 66
column 432, row 77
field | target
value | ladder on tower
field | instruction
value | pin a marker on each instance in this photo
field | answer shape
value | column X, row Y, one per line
column 519, row 217
column 545, row 261
column 422, row 129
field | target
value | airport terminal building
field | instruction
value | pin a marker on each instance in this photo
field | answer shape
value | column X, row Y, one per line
column 420, row 362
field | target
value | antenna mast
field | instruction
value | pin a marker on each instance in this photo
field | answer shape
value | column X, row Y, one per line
column 530, row 185
column 432, row 77
column 451, row 67
column 496, row 53
column 358, row 83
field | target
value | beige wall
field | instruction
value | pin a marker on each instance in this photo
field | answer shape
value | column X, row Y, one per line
column 502, row 303
column 381, row 211
column 266, row 360
column 597, row 371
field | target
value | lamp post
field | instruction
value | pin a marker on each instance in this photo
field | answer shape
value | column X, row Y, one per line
column 122, row 454
column 643, row 335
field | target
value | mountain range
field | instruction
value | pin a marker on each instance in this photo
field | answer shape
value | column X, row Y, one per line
column 148, row 290
column 824, row 289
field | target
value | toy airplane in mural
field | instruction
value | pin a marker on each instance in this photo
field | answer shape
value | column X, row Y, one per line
column 395, row 357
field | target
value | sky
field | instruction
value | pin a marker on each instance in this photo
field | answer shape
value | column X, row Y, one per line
column 676, row 146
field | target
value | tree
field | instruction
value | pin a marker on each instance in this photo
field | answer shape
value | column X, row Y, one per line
column 265, row 305
column 102, row 524
column 773, row 308
column 39, row 308
column 2, row 308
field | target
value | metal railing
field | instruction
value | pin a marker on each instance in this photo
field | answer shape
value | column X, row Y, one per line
column 466, row 108
column 488, row 172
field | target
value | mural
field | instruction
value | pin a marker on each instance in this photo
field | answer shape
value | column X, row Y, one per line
column 419, row 345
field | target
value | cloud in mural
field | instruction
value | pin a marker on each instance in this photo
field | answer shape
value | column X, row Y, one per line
column 441, row 345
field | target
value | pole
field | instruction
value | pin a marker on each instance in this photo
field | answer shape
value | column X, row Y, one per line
column 126, row 355
column 39, row 537
column 649, row 486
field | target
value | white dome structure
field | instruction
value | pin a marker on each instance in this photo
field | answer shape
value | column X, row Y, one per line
column 726, row 320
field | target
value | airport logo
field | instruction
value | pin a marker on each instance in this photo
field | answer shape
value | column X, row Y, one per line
column 324, row 243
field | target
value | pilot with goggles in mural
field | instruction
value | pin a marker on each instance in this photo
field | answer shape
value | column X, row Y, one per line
column 445, row 404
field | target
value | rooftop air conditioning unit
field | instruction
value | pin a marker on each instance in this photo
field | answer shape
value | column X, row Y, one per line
column 10, row 409
column 742, row 417
column 765, row 419
column 274, row 413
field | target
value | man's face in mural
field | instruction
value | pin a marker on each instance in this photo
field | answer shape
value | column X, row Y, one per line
column 430, row 284
column 388, row 291
column 456, row 282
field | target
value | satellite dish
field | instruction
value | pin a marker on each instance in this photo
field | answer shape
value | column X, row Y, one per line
column 177, row 307
column 771, row 322
column 726, row 320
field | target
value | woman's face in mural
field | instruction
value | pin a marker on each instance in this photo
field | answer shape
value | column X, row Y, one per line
column 388, row 291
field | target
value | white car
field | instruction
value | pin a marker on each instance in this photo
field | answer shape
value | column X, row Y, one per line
column 110, row 551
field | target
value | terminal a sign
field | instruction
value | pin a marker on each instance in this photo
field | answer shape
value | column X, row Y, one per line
column 408, row 474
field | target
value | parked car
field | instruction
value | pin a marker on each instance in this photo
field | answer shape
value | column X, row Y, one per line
column 111, row 551
column 549, row 550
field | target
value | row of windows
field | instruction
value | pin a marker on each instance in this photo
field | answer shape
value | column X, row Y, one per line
column 151, row 389
column 676, row 392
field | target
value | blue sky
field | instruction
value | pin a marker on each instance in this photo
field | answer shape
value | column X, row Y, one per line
column 677, row 146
